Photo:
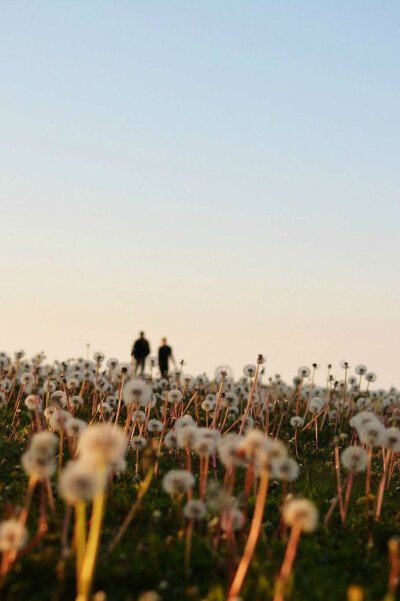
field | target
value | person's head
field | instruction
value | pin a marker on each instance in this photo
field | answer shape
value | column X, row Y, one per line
column 141, row 334
column 164, row 340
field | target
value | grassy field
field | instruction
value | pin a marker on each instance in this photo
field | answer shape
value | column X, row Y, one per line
column 150, row 557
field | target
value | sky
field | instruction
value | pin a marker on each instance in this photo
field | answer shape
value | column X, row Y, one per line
column 223, row 173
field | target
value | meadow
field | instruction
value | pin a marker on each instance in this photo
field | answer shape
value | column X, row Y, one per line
column 122, row 488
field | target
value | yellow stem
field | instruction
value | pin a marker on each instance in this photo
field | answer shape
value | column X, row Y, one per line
column 80, row 535
column 89, row 560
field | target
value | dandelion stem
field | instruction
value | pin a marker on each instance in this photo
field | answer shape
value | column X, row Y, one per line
column 287, row 564
column 250, row 399
column 80, row 535
column 381, row 489
column 347, row 495
column 252, row 538
column 144, row 486
column 89, row 560
column 188, row 546
column 338, row 481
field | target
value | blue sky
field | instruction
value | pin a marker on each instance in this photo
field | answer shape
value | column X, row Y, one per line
column 224, row 173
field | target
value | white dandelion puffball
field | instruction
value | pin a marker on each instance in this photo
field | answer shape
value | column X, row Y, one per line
column 103, row 444
column 80, row 482
column 249, row 370
column 301, row 513
column 177, row 482
column 136, row 392
column 38, row 466
column 284, row 468
column 195, row 510
column 354, row 458
column 372, row 434
column 392, row 441
column 138, row 442
column 44, row 444
column 13, row 535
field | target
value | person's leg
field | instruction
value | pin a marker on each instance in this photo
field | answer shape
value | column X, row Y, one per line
column 143, row 361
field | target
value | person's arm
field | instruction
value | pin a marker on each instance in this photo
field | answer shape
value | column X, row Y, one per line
column 173, row 358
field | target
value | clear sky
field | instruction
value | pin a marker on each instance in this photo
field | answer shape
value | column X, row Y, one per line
column 225, row 173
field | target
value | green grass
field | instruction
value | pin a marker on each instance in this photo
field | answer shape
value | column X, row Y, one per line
column 150, row 556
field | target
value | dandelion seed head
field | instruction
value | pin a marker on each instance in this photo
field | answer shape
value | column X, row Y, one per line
column 229, row 450
column 13, row 535
column 138, row 443
column 44, row 444
column 372, row 434
column 354, row 458
column 58, row 398
column 316, row 404
column 32, row 401
column 392, row 442
column 284, row 468
column 222, row 373
column 58, row 419
column 205, row 442
column 5, row 384
column 39, row 466
column 186, row 420
column 186, row 435
column 98, row 357
column 303, row 372
column 171, row 440
column 80, row 482
column 136, row 392
column 188, row 380
column 254, row 444
column 75, row 427
column 301, row 513
column 112, row 400
column 174, row 396
column 230, row 400
column 103, row 444
column 26, row 379
column 139, row 417
column 207, row 405
column 112, row 363
column 195, row 510
column 249, row 370
column 362, row 419
column 154, row 425
column 177, row 482
column 76, row 401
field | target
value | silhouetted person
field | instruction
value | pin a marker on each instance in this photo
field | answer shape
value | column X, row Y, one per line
column 164, row 354
column 140, row 350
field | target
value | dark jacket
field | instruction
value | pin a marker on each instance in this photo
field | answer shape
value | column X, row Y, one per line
column 141, row 349
column 164, row 353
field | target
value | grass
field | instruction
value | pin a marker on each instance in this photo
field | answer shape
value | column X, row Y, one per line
column 150, row 557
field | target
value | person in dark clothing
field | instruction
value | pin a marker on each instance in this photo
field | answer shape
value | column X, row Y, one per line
column 140, row 350
column 164, row 354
